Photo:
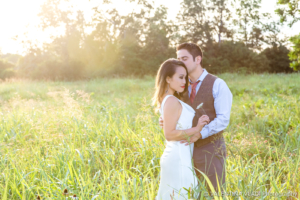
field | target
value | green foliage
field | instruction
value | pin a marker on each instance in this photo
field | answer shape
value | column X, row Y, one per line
column 289, row 11
column 294, row 55
column 100, row 139
column 278, row 59
column 6, row 69
column 136, row 44
column 13, row 58
column 234, row 58
column 200, row 20
column 248, row 20
column 140, row 52
column 41, row 65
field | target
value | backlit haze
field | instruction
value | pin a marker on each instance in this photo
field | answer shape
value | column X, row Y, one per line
column 19, row 21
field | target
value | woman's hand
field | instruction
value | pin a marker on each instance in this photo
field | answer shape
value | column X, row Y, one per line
column 202, row 121
column 161, row 122
column 192, row 139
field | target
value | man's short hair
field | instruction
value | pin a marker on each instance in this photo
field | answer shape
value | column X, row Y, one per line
column 192, row 48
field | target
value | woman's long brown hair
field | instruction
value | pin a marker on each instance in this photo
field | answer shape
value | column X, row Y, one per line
column 167, row 69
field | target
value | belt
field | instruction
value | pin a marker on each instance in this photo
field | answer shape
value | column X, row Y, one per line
column 214, row 137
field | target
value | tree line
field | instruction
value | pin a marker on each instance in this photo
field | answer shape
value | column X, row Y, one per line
column 234, row 36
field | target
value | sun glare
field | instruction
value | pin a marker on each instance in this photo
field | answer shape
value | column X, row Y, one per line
column 16, row 18
column 19, row 20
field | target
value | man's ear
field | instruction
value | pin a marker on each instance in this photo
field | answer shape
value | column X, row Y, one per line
column 198, row 59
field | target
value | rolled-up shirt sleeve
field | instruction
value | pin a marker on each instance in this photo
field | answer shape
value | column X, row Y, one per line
column 222, row 103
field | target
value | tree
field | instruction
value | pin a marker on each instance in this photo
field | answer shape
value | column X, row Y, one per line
column 255, row 38
column 64, row 57
column 289, row 11
column 222, row 15
column 294, row 55
column 140, row 40
column 13, row 58
column 278, row 58
column 194, row 21
column 157, row 41
column 68, row 46
column 248, row 18
column 234, row 57
column 271, row 31
column 6, row 69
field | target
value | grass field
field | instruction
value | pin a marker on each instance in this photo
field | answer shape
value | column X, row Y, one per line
column 100, row 139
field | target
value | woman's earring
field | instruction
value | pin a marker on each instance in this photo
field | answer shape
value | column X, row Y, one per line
column 167, row 88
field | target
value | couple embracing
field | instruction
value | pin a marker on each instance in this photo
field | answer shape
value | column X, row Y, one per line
column 194, row 137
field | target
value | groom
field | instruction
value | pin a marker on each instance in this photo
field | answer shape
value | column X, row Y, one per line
column 209, row 146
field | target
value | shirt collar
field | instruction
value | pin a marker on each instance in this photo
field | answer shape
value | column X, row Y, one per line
column 203, row 75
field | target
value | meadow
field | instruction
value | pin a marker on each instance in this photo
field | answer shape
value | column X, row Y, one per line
column 100, row 139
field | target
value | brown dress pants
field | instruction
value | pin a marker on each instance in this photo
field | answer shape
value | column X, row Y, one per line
column 210, row 159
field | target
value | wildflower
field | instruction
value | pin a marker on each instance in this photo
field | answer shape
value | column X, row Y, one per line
column 38, row 198
column 265, row 141
column 200, row 105
column 75, row 197
column 65, row 192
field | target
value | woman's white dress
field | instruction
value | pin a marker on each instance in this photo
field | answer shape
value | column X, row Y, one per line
column 176, row 170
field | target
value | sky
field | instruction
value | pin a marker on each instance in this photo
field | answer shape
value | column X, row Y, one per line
column 19, row 20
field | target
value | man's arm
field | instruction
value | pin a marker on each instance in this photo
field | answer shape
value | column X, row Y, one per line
column 222, row 103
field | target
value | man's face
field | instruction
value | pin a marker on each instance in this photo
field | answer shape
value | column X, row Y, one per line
column 187, row 58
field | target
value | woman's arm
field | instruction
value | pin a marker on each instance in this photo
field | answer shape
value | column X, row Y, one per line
column 172, row 111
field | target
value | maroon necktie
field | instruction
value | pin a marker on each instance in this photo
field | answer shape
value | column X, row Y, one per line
column 193, row 93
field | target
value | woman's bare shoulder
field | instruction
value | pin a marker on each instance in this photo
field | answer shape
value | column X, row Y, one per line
column 172, row 104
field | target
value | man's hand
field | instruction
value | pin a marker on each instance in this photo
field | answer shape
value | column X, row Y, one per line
column 161, row 122
column 192, row 139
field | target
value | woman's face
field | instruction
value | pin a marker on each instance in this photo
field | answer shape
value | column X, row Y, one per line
column 177, row 82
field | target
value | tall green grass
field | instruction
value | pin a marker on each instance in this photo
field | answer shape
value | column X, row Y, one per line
column 100, row 139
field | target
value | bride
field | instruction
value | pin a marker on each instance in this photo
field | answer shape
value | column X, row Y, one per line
column 176, row 162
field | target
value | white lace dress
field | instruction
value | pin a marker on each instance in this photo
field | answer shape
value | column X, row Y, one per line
column 176, row 170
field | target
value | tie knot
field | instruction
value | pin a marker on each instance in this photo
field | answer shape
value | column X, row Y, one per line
column 194, row 84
